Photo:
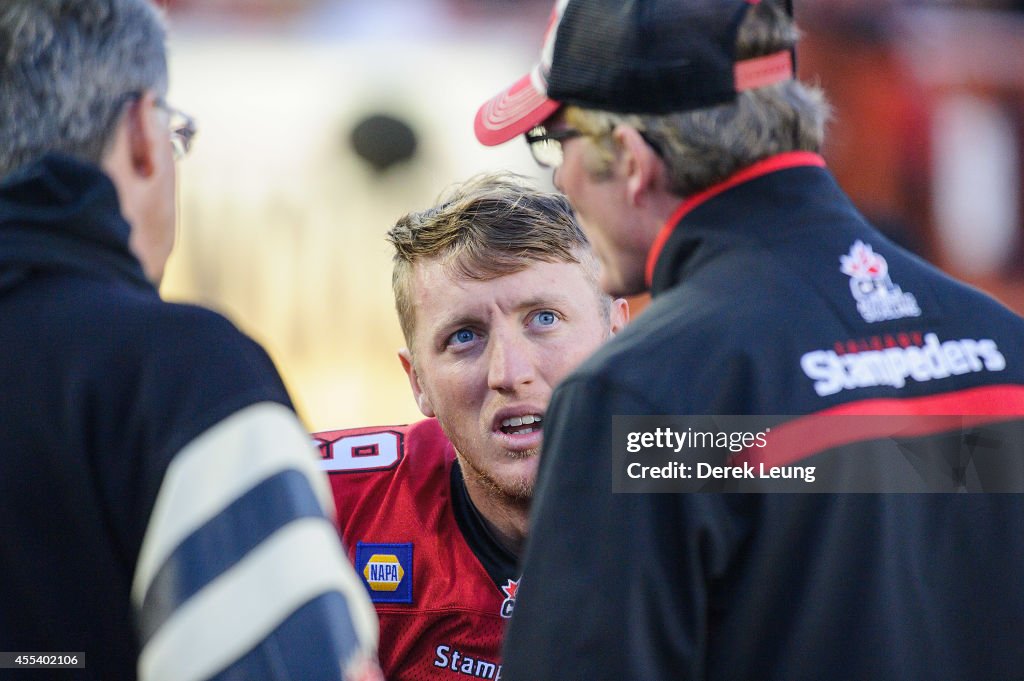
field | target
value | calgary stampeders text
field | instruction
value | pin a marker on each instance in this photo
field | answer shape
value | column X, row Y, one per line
column 931, row 360
column 447, row 657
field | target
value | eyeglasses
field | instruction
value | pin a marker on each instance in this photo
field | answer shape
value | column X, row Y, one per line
column 183, row 129
column 546, row 147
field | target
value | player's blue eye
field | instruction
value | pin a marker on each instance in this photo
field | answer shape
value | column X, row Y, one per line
column 546, row 318
column 462, row 336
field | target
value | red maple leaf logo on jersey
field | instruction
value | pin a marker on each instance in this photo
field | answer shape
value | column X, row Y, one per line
column 509, row 603
column 511, row 588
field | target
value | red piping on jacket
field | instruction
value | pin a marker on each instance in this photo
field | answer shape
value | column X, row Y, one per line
column 792, row 159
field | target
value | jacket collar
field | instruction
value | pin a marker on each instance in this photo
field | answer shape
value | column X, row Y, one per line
column 62, row 213
column 795, row 159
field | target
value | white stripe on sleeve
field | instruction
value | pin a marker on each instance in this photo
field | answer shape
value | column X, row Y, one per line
column 238, row 609
column 218, row 467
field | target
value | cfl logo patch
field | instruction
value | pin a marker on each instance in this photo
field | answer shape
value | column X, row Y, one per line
column 387, row 571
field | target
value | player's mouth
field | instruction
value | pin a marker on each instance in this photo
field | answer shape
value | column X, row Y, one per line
column 521, row 425
column 518, row 428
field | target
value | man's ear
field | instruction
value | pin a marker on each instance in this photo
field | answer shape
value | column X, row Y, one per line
column 145, row 132
column 422, row 400
column 640, row 163
column 619, row 316
column 131, row 153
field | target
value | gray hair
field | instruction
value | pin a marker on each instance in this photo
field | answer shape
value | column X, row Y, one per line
column 67, row 68
column 705, row 146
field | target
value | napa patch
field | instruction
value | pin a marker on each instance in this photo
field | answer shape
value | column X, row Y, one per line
column 386, row 570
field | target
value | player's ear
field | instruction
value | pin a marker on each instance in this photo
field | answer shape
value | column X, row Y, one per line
column 422, row 400
column 619, row 316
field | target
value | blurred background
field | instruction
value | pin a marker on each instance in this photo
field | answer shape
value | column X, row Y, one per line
column 323, row 121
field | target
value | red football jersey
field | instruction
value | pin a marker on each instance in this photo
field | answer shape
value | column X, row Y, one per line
column 441, row 614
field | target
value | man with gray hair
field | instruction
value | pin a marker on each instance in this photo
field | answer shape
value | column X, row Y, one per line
column 690, row 153
column 163, row 516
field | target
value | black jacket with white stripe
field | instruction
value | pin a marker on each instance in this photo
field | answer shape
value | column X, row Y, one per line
column 151, row 460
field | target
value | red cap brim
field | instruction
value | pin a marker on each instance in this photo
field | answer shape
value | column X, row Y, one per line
column 513, row 112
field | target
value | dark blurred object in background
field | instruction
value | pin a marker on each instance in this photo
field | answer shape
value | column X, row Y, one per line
column 382, row 140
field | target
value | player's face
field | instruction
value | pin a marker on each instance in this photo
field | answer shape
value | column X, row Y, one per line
column 604, row 214
column 487, row 354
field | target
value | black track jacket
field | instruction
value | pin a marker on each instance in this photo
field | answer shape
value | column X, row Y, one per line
column 772, row 295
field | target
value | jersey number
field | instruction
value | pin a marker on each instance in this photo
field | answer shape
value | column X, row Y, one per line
column 369, row 452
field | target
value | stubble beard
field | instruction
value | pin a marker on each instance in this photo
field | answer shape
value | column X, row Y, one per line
column 516, row 492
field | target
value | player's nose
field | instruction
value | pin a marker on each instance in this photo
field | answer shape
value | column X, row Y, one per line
column 510, row 362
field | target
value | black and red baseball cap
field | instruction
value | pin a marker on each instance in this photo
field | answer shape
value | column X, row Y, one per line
column 632, row 56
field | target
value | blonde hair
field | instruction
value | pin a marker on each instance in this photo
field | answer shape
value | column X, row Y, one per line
column 490, row 226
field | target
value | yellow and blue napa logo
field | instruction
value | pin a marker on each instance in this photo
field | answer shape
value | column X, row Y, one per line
column 383, row 572
column 386, row 570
